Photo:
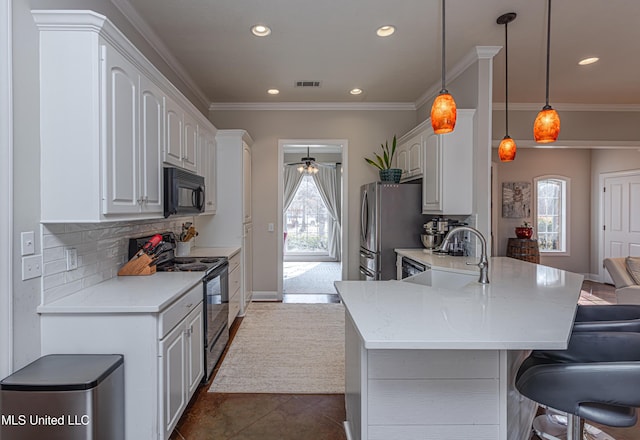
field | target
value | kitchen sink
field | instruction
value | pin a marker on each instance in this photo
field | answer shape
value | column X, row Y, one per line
column 443, row 279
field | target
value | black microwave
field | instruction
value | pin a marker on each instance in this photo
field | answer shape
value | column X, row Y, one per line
column 183, row 192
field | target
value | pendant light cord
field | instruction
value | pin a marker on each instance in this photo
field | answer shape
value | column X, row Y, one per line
column 506, row 79
column 548, row 51
column 443, row 51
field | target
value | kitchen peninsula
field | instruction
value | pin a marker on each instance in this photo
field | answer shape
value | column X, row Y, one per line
column 435, row 355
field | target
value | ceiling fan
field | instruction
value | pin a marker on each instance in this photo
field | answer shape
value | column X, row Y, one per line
column 307, row 164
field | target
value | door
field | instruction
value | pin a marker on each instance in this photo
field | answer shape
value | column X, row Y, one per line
column 151, row 136
column 173, row 373
column 195, row 352
column 431, row 190
column 174, row 132
column 190, row 150
column 621, row 216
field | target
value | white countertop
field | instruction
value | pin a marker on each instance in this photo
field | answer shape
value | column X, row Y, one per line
column 525, row 306
column 442, row 262
column 136, row 294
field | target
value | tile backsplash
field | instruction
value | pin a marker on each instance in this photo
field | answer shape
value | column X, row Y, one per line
column 102, row 249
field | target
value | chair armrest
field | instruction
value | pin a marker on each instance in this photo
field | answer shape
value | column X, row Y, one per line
column 628, row 295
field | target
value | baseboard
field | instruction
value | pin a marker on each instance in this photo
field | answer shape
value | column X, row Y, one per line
column 592, row 277
column 264, row 296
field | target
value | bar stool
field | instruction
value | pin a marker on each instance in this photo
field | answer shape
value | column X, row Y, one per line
column 596, row 378
column 609, row 318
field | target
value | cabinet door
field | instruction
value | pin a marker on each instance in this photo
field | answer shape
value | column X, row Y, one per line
column 173, row 373
column 210, row 158
column 151, row 137
column 414, row 156
column 402, row 159
column 431, row 181
column 247, row 267
column 246, row 183
column 174, row 133
column 190, row 150
column 121, row 110
column 195, row 350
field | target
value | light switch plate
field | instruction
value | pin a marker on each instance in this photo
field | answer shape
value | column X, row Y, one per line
column 27, row 243
column 31, row 267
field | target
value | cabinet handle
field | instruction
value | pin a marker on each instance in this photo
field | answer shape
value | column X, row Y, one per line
column 189, row 305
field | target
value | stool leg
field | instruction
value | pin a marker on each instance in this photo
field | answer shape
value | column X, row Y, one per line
column 574, row 427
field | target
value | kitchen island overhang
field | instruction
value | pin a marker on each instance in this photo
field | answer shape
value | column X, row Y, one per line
column 430, row 361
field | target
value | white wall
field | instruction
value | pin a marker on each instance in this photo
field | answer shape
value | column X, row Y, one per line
column 364, row 130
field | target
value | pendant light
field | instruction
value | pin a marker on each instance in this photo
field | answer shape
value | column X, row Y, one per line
column 443, row 110
column 507, row 148
column 547, row 124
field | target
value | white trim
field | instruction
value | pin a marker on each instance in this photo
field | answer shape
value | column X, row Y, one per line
column 530, row 106
column 343, row 208
column 339, row 106
column 156, row 43
column 587, row 144
column 566, row 220
column 475, row 54
column 267, row 295
column 6, row 189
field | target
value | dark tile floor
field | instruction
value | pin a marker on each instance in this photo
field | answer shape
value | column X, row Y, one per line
column 217, row 416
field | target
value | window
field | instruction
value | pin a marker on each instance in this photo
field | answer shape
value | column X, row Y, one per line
column 551, row 214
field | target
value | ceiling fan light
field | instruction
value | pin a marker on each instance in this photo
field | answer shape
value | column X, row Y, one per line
column 300, row 169
column 546, row 127
column 443, row 113
column 507, row 149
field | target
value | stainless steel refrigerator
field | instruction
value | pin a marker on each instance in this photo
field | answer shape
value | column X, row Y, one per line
column 390, row 217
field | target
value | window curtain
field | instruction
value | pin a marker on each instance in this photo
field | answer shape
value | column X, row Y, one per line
column 325, row 180
column 292, row 180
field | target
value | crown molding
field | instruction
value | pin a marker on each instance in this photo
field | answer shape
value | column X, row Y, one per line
column 156, row 43
column 529, row 106
column 314, row 106
column 475, row 54
column 590, row 144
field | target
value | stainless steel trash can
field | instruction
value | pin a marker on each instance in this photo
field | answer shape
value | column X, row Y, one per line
column 64, row 397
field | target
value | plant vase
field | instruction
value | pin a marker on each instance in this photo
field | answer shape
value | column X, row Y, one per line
column 522, row 232
column 391, row 175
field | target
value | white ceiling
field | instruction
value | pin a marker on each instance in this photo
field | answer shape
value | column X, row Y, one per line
column 334, row 41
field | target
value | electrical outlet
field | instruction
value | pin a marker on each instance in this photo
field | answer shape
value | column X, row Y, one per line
column 270, row 227
column 27, row 243
column 31, row 267
column 72, row 258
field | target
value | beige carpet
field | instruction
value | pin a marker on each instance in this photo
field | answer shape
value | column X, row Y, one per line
column 286, row 348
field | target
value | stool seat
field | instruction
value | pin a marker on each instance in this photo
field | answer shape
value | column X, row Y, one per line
column 609, row 318
column 597, row 377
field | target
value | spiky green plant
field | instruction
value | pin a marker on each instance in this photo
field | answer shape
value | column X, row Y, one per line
column 385, row 161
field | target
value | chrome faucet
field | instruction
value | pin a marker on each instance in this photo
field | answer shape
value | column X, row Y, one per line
column 484, row 262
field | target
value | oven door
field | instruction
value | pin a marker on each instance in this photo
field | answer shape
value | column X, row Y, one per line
column 216, row 316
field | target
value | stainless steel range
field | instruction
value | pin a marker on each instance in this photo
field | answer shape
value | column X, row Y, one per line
column 215, row 291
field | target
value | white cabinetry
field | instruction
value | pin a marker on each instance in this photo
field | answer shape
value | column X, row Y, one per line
column 182, row 367
column 207, row 163
column 107, row 120
column 235, row 283
column 163, row 356
column 232, row 224
column 410, row 150
column 447, row 184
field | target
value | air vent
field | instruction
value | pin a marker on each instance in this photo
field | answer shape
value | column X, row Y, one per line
column 307, row 83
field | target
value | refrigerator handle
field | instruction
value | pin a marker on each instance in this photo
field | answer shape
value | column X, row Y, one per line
column 367, row 273
column 364, row 217
column 367, row 254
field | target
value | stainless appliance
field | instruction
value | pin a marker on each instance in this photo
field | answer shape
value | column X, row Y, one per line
column 215, row 281
column 434, row 232
column 183, row 192
column 390, row 217
column 411, row 267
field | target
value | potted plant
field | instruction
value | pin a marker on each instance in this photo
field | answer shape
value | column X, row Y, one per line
column 524, row 231
column 383, row 163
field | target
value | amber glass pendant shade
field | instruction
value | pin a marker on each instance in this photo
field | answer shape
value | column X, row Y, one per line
column 546, row 127
column 443, row 113
column 507, row 149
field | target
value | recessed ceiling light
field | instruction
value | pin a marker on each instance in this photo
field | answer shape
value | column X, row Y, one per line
column 586, row 61
column 355, row 91
column 260, row 30
column 273, row 91
column 385, row 31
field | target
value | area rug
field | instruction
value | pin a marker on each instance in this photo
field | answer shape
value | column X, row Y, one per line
column 286, row 348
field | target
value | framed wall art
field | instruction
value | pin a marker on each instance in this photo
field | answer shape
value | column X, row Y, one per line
column 516, row 199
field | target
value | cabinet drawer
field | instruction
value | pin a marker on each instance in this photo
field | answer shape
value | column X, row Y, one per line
column 234, row 280
column 234, row 262
column 173, row 314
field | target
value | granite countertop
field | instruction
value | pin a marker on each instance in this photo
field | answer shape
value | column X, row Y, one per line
column 525, row 306
column 135, row 294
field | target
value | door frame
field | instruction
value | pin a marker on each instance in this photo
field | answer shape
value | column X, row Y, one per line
column 344, row 144
column 601, row 214
column 6, row 189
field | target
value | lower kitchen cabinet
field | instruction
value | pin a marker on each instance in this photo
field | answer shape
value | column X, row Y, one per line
column 235, row 294
column 163, row 356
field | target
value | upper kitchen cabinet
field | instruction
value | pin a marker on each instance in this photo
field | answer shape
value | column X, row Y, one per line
column 207, row 167
column 108, row 120
column 447, row 184
column 410, row 151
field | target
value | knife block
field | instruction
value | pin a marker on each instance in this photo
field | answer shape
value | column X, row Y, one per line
column 138, row 266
